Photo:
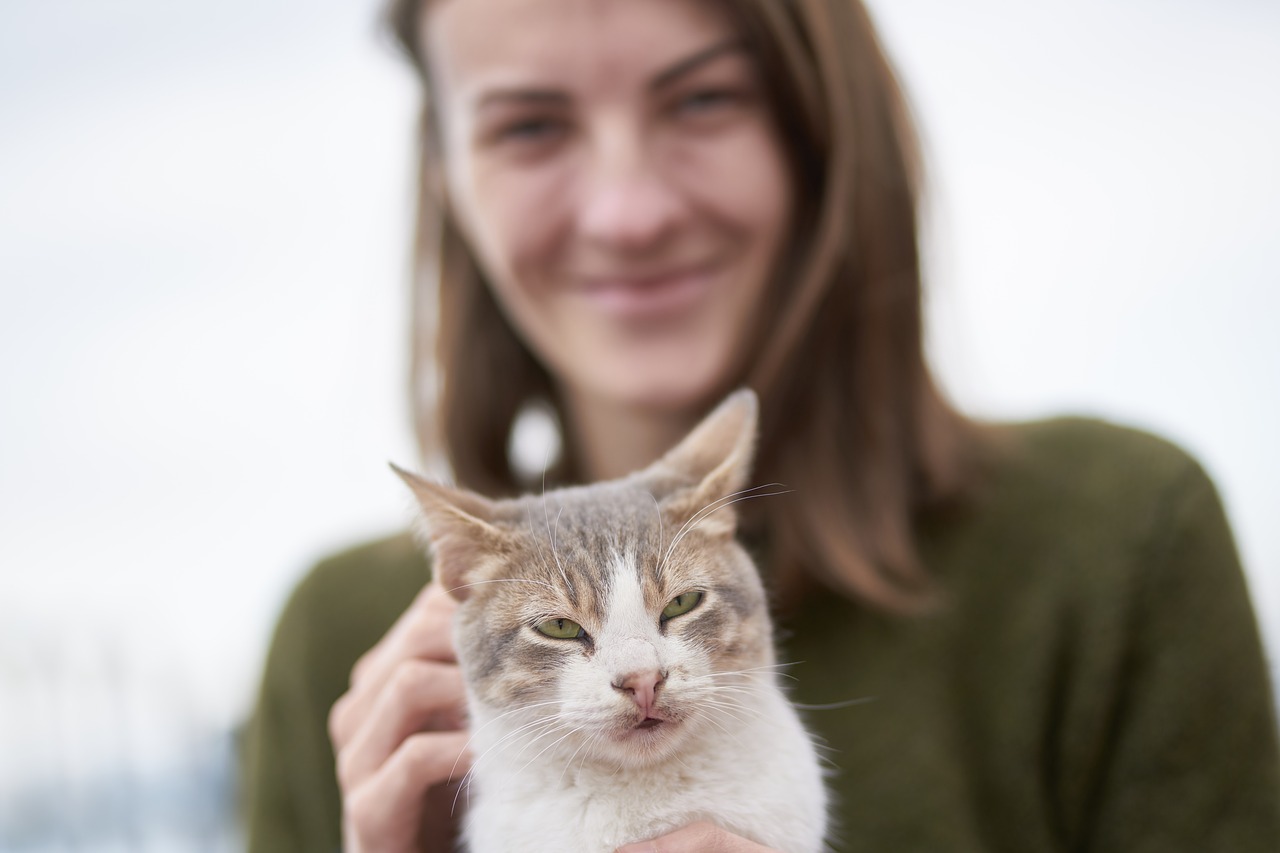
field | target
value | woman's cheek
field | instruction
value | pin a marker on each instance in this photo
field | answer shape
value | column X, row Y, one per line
column 520, row 219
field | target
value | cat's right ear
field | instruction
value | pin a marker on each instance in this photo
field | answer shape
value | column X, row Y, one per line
column 459, row 526
column 714, row 461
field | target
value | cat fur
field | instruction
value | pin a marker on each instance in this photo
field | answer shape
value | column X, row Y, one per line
column 644, row 725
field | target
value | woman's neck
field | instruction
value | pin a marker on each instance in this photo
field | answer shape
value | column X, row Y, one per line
column 612, row 440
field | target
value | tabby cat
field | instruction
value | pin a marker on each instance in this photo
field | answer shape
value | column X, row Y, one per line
column 618, row 656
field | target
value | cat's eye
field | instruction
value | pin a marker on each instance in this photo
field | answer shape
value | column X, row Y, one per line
column 681, row 604
column 561, row 629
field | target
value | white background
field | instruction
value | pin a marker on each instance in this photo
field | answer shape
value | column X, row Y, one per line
column 204, row 221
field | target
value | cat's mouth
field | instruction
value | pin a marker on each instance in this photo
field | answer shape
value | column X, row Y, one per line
column 649, row 723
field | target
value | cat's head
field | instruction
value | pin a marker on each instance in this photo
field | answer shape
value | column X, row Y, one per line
column 618, row 618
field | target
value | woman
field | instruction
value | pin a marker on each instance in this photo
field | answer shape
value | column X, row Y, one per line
column 633, row 206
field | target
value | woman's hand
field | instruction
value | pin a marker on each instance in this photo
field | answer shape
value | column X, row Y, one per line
column 700, row 837
column 399, row 735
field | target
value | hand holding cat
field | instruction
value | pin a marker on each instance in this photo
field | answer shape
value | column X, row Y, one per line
column 700, row 837
column 399, row 731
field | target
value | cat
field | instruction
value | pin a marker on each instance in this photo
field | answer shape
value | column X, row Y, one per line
column 618, row 656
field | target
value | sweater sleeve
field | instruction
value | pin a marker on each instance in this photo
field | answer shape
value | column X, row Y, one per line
column 292, row 802
column 1193, row 762
column 339, row 610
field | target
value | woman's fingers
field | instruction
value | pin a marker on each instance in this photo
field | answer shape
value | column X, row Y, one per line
column 398, row 732
column 385, row 812
column 420, row 695
column 700, row 837
column 423, row 632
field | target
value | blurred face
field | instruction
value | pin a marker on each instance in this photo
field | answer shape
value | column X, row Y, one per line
column 616, row 171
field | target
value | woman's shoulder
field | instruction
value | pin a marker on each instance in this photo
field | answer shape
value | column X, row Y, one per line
column 1083, row 453
column 1081, row 503
column 352, row 596
column 1089, row 470
column 389, row 561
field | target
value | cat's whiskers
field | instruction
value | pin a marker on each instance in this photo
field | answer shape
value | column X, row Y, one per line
column 750, row 670
column 551, row 537
column 710, row 720
column 582, row 746
column 499, row 718
column 542, row 724
column 835, row 706
column 715, row 506
column 549, row 746
column 730, row 696
column 547, row 724
column 502, row 580
column 526, row 743
column 733, row 711
column 513, row 733
column 658, row 511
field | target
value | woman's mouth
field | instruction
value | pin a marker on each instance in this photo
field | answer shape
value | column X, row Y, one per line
column 650, row 297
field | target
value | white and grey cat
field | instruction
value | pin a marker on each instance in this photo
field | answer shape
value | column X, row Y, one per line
column 619, row 661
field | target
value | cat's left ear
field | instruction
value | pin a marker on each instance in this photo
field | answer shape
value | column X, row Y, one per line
column 460, row 527
column 716, row 459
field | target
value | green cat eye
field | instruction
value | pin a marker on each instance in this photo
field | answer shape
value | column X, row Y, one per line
column 681, row 604
column 561, row 629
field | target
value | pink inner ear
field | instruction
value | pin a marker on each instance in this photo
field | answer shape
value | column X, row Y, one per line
column 716, row 457
column 453, row 556
column 462, row 545
column 458, row 524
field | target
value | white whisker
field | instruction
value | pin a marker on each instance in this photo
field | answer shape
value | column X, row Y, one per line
column 719, row 504
column 834, row 706
column 658, row 511
column 501, row 580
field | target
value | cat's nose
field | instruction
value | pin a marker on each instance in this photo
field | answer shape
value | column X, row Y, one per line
column 642, row 686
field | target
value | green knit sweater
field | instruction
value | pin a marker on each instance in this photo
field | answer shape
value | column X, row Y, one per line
column 1093, row 681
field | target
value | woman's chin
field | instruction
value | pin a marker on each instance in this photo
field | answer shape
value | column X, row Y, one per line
column 678, row 401
column 684, row 386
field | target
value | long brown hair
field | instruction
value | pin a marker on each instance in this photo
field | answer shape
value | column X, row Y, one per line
column 851, row 417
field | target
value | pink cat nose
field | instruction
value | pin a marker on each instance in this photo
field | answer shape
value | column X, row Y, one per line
column 642, row 687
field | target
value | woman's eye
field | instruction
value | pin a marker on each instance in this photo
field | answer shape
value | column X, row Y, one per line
column 561, row 629
column 681, row 605
column 530, row 130
column 706, row 102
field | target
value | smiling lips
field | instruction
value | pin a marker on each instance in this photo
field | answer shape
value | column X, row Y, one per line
column 649, row 297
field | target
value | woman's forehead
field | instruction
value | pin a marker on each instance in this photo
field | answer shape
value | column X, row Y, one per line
column 477, row 45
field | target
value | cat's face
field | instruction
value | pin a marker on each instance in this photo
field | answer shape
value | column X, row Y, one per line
column 615, row 621
column 595, row 621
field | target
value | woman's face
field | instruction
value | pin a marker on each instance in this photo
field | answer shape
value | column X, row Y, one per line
column 616, row 170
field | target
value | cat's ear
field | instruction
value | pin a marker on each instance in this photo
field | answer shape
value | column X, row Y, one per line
column 714, row 461
column 460, row 528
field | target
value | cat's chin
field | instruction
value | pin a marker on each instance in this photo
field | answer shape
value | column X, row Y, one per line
column 643, row 742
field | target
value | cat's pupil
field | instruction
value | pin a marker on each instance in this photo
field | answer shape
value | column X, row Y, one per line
column 681, row 604
column 561, row 629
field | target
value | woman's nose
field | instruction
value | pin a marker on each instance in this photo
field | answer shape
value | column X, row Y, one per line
column 627, row 201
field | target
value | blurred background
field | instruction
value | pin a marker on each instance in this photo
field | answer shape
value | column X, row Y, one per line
column 204, row 231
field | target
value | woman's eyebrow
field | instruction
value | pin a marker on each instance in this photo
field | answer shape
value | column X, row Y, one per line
column 688, row 64
column 556, row 97
column 517, row 95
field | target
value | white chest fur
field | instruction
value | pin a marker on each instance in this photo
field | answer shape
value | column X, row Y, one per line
column 753, row 772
